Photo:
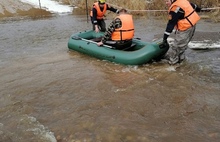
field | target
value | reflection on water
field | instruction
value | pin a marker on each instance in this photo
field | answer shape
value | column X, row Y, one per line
column 51, row 94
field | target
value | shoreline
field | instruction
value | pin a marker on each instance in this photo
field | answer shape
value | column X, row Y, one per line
column 14, row 8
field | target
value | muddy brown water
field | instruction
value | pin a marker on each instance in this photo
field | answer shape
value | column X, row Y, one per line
column 49, row 94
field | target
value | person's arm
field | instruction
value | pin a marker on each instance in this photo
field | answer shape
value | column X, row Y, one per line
column 94, row 19
column 111, row 28
column 174, row 18
column 112, row 9
column 196, row 7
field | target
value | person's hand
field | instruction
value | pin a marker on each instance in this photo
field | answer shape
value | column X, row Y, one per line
column 96, row 29
column 100, row 43
column 164, row 44
column 198, row 9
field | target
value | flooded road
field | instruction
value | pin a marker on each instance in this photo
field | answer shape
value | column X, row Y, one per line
column 49, row 94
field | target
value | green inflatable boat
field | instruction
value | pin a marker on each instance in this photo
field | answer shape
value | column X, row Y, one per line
column 138, row 53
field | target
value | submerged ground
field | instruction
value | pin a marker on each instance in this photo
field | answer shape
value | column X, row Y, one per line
column 49, row 94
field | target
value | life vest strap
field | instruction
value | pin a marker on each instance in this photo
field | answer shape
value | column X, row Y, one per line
column 188, row 18
column 124, row 30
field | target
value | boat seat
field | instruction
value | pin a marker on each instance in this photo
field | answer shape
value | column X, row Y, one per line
column 111, row 43
column 98, row 39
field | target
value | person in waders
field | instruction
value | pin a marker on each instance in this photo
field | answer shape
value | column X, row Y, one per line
column 183, row 18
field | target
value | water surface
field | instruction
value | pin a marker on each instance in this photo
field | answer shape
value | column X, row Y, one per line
column 48, row 93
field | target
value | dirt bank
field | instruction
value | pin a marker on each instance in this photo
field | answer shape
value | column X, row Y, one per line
column 17, row 8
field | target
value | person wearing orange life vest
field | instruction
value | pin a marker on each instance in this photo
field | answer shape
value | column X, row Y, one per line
column 183, row 17
column 120, row 31
column 97, row 14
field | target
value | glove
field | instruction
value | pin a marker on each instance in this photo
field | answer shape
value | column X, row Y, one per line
column 164, row 44
column 117, row 12
column 198, row 9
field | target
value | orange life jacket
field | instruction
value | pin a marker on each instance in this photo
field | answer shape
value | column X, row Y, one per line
column 100, row 13
column 190, row 17
column 126, row 32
